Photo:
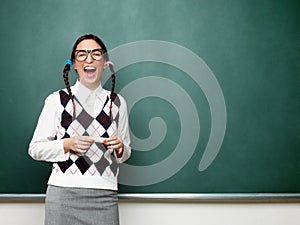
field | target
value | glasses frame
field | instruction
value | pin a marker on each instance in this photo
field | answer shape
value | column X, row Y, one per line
column 89, row 52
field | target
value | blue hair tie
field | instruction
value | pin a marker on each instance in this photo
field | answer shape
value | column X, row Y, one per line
column 69, row 62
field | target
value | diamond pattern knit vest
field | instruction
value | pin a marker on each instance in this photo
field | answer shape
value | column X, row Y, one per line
column 97, row 160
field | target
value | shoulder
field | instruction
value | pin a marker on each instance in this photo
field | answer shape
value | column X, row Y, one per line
column 118, row 98
column 56, row 96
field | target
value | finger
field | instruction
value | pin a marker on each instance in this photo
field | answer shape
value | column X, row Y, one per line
column 82, row 146
column 81, row 151
column 85, row 145
column 86, row 139
column 113, row 145
column 119, row 152
column 111, row 140
column 117, row 146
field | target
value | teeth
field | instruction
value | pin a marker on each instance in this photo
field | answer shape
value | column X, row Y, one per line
column 88, row 68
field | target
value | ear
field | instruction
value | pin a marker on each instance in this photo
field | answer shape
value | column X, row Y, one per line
column 74, row 65
column 104, row 65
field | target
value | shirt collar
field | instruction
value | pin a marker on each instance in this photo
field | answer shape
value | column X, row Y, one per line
column 82, row 93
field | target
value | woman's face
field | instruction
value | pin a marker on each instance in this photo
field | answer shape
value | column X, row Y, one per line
column 89, row 70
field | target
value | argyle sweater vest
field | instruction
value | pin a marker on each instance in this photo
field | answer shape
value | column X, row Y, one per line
column 98, row 167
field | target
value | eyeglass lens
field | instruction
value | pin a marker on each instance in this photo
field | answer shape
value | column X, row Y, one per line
column 81, row 55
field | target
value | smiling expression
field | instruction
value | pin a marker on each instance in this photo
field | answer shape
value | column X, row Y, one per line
column 89, row 70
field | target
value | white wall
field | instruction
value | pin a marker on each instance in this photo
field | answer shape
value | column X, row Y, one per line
column 167, row 213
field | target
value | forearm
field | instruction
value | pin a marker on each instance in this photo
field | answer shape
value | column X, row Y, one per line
column 51, row 151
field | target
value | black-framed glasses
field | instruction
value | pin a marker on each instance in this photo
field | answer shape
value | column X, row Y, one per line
column 81, row 55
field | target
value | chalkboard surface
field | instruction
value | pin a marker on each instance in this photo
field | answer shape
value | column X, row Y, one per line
column 212, row 89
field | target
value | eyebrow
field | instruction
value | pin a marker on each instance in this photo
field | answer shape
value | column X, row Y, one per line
column 88, row 50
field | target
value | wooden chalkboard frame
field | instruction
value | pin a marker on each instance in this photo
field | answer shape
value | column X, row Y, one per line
column 205, row 198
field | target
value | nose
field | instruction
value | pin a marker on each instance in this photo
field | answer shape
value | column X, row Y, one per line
column 89, row 58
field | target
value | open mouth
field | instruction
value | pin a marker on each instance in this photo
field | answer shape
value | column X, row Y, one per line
column 89, row 70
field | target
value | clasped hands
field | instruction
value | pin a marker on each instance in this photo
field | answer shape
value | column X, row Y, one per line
column 80, row 144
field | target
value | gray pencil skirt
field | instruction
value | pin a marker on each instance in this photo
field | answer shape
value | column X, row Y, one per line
column 81, row 206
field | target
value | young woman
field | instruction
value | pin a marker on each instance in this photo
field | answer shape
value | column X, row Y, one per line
column 83, row 130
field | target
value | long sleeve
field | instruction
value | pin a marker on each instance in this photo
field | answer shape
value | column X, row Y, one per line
column 43, row 145
column 123, row 131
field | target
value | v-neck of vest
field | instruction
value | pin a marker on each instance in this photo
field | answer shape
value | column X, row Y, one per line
column 76, row 99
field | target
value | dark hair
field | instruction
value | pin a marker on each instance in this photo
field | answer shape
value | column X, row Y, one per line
column 106, row 58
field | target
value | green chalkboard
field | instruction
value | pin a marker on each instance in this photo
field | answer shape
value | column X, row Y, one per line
column 213, row 90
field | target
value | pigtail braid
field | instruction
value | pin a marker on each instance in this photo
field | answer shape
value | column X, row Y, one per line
column 112, row 91
column 67, row 83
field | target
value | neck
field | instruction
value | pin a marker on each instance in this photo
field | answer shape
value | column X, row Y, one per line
column 92, row 87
